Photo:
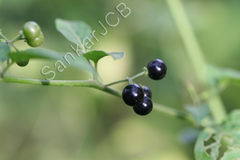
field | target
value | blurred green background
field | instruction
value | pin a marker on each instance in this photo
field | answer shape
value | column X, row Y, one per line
column 64, row 123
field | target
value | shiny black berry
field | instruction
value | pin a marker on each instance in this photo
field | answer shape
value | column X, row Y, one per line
column 132, row 94
column 157, row 69
column 147, row 92
column 144, row 108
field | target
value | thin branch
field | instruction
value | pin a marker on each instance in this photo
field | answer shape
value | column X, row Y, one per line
column 15, row 48
column 1, row 35
column 174, row 113
column 127, row 79
column 70, row 83
column 94, row 84
column 19, row 37
column 6, row 68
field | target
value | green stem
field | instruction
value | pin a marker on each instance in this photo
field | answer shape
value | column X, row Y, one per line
column 5, row 69
column 94, row 84
column 195, row 54
column 190, row 42
column 95, row 77
column 139, row 74
column 127, row 79
column 174, row 113
column 193, row 93
column 116, row 82
column 15, row 48
column 11, row 42
column 217, row 109
column 82, row 47
column 86, row 83
column 1, row 35
column 19, row 37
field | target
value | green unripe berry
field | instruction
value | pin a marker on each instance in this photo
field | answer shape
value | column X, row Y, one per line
column 37, row 41
column 31, row 30
column 22, row 63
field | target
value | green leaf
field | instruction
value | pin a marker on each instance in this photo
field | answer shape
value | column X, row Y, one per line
column 201, row 151
column 198, row 112
column 39, row 53
column 96, row 55
column 4, row 49
column 74, row 31
column 217, row 75
column 219, row 141
column 232, row 154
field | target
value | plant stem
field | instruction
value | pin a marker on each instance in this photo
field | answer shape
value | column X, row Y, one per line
column 174, row 113
column 6, row 68
column 116, row 82
column 195, row 54
column 19, row 37
column 94, row 84
column 217, row 109
column 11, row 42
column 127, row 79
column 193, row 93
column 86, row 83
column 15, row 48
column 95, row 77
column 139, row 74
column 1, row 35
column 190, row 42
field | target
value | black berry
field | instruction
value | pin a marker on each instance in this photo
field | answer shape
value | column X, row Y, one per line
column 157, row 69
column 147, row 92
column 132, row 94
column 144, row 108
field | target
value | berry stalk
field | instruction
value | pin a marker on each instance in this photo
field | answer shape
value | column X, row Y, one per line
column 127, row 79
column 19, row 37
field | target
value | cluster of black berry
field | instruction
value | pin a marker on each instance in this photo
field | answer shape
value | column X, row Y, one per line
column 140, row 97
